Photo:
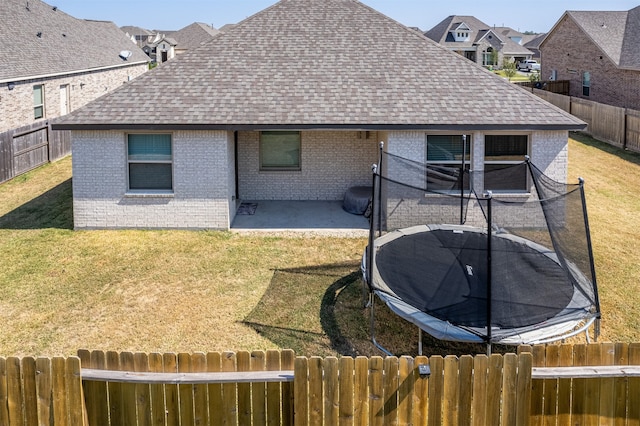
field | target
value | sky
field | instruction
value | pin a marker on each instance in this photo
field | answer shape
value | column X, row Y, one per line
column 538, row 16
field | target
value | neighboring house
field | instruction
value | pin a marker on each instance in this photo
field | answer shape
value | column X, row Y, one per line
column 53, row 63
column 139, row 35
column 192, row 36
column 477, row 42
column 532, row 42
column 287, row 106
column 599, row 53
column 161, row 48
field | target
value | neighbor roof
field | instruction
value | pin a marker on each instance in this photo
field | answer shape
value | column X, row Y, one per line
column 38, row 40
column 193, row 35
column 319, row 64
column 441, row 34
column 617, row 34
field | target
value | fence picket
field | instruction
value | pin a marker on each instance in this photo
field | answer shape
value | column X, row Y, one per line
column 156, row 391
column 143, row 395
column 550, row 387
column 185, row 391
column 621, row 357
column 14, row 391
column 301, row 391
column 346, row 386
column 43, row 385
column 509, row 395
column 436, row 386
column 523, row 389
column 59, row 392
column 287, row 360
column 376, row 391
column 258, row 390
column 564, row 386
column 478, row 406
column 243, row 359
column 634, row 388
column 29, row 391
column 229, row 390
column 405, row 389
column 200, row 406
column 390, row 390
column 171, row 399
column 419, row 414
column 578, row 396
column 465, row 386
column 494, row 387
column 361, row 391
column 450, row 402
column 115, row 391
column 74, row 397
column 316, row 401
column 274, row 391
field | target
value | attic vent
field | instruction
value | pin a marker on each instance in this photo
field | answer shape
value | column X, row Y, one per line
column 39, row 34
column 55, row 8
column 125, row 54
column 604, row 25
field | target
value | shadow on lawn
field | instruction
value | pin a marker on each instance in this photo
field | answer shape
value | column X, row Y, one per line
column 317, row 311
column 53, row 209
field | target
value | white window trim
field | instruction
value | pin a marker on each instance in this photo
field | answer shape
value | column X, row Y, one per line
column 149, row 193
column 42, row 105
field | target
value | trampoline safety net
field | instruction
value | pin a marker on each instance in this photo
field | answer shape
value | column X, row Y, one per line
column 468, row 264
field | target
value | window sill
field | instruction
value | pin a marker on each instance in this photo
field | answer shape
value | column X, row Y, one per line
column 149, row 194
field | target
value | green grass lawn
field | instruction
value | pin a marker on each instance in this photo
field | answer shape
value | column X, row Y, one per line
column 185, row 291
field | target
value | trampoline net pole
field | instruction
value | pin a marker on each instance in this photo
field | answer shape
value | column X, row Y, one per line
column 489, row 292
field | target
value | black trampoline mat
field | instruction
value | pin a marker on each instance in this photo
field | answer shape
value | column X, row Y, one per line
column 444, row 274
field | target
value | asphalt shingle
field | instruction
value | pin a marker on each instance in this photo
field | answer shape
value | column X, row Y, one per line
column 39, row 39
column 309, row 63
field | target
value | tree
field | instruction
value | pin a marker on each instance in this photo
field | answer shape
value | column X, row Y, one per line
column 509, row 68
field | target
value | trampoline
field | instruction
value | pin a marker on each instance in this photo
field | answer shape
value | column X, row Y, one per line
column 489, row 282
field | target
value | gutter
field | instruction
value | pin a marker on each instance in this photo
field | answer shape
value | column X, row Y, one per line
column 41, row 76
column 258, row 127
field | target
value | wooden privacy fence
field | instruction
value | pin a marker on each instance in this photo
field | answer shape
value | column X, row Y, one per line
column 540, row 385
column 617, row 126
column 31, row 146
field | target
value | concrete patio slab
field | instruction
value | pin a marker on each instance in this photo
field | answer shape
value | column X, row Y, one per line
column 314, row 217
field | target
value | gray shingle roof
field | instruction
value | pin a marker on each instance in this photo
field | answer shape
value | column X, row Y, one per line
column 616, row 33
column 193, row 35
column 314, row 64
column 65, row 44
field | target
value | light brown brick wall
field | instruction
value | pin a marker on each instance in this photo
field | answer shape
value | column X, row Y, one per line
column 570, row 52
column 16, row 106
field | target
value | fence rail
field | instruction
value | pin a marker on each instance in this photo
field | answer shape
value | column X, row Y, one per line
column 28, row 147
column 540, row 385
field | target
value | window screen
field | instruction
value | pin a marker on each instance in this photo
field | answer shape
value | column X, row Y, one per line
column 150, row 162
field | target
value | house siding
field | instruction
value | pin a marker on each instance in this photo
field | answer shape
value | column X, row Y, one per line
column 331, row 162
column 16, row 106
column 570, row 52
column 201, row 193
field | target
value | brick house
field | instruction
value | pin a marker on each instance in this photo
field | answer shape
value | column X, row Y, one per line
column 478, row 42
column 291, row 104
column 52, row 63
column 599, row 53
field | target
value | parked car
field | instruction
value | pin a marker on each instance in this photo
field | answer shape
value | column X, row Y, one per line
column 528, row 65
